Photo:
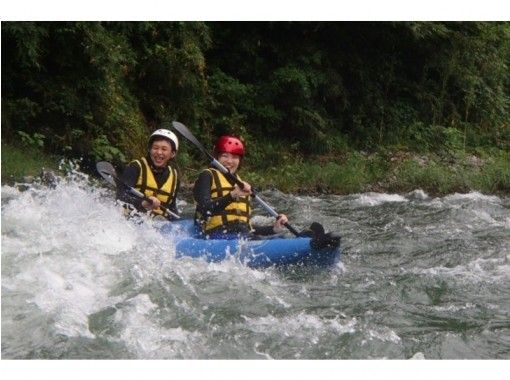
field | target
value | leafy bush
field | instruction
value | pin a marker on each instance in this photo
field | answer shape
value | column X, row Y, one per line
column 32, row 141
column 293, row 90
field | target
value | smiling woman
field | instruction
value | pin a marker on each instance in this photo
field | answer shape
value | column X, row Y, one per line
column 223, row 199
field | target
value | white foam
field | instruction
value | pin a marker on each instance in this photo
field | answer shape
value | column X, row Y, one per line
column 474, row 196
column 418, row 194
column 494, row 270
column 384, row 334
column 418, row 356
column 9, row 192
column 485, row 216
column 58, row 247
column 455, row 308
column 299, row 325
column 376, row 199
column 144, row 336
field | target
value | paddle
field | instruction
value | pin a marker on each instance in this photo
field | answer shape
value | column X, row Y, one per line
column 186, row 133
column 108, row 172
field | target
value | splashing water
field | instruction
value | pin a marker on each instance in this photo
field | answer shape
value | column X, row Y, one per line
column 421, row 277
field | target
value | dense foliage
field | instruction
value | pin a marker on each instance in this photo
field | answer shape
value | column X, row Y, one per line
column 291, row 89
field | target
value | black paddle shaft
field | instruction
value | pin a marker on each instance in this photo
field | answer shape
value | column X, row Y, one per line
column 186, row 133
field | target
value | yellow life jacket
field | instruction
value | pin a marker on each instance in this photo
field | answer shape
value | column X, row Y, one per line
column 146, row 183
column 237, row 211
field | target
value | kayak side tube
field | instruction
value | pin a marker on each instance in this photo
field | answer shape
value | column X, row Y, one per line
column 253, row 253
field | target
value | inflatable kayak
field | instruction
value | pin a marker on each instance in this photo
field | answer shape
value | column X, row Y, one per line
column 318, row 250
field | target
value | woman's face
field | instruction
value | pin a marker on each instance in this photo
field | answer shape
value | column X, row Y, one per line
column 230, row 161
column 161, row 152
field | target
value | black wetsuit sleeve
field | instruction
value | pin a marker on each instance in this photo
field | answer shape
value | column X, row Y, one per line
column 202, row 195
column 263, row 230
column 129, row 177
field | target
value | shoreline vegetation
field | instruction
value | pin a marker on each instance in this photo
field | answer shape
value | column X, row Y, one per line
column 322, row 106
column 386, row 171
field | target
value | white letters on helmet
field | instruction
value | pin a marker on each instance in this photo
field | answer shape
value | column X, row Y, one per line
column 166, row 134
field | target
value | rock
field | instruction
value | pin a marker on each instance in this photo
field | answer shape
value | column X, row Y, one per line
column 28, row 179
column 475, row 161
column 48, row 178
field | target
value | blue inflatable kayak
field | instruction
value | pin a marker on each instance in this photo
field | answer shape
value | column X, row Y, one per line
column 321, row 250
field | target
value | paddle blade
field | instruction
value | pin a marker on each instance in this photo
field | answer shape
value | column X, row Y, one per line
column 186, row 133
column 321, row 239
column 107, row 171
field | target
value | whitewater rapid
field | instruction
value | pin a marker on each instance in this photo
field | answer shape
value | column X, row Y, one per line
column 420, row 277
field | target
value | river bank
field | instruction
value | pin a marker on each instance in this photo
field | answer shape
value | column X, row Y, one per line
column 390, row 171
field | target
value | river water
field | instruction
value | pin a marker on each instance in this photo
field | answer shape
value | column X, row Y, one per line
column 420, row 277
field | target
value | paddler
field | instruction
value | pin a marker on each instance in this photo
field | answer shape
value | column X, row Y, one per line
column 154, row 175
column 223, row 209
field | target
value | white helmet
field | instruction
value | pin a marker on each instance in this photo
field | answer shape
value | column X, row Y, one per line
column 165, row 133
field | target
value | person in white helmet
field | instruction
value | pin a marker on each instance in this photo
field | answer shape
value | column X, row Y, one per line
column 154, row 175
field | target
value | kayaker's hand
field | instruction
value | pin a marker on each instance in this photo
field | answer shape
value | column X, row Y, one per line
column 153, row 204
column 279, row 223
column 238, row 192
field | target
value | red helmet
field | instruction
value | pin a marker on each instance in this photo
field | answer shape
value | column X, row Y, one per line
column 229, row 144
